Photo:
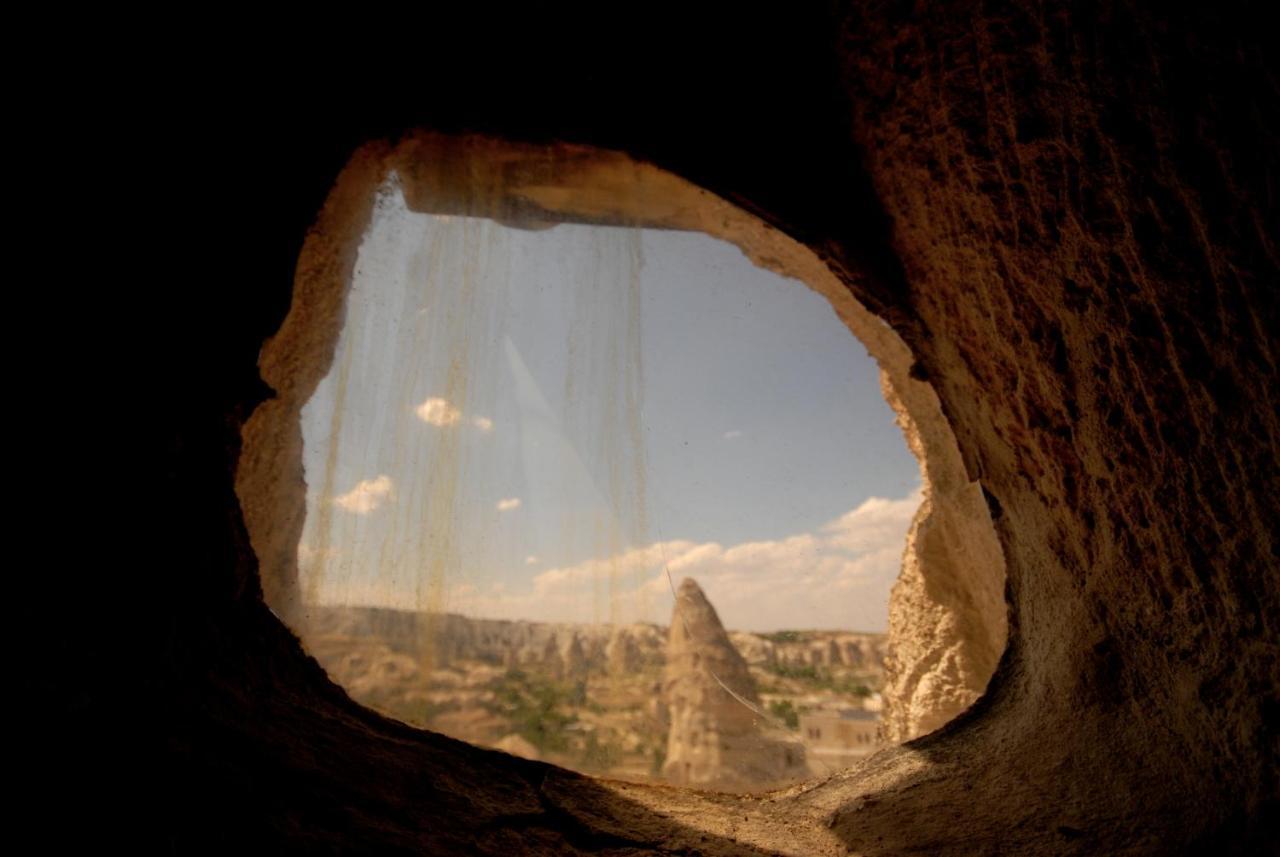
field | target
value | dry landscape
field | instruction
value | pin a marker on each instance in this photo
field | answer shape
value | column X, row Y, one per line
column 595, row 698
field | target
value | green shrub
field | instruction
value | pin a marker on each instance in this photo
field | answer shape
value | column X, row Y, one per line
column 786, row 712
column 805, row 672
column 533, row 705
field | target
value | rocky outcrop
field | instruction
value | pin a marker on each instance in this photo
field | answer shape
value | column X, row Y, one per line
column 516, row 746
column 1064, row 210
column 718, row 737
column 947, row 624
column 552, row 659
column 622, row 654
column 562, row 650
column 575, row 660
column 854, row 651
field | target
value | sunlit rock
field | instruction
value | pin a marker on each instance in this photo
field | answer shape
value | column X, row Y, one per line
column 719, row 736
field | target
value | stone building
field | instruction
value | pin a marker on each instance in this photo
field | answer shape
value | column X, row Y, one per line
column 835, row 737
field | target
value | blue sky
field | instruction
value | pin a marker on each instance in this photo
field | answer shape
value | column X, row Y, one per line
column 532, row 424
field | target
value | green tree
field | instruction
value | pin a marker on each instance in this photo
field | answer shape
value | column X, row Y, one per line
column 785, row 711
column 533, row 705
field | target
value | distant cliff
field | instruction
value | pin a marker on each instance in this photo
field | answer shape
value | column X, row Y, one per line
column 629, row 701
column 448, row 638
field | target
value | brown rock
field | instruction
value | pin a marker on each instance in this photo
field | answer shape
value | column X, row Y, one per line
column 622, row 654
column 517, row 745
column 1064, row 212
column 719, row 737
column 574, row 659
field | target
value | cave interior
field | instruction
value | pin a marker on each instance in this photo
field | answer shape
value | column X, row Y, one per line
column 1066, row 212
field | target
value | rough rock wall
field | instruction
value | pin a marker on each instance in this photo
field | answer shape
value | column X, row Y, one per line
column 1065, row 209
column 947, row 626
column 1090, row 266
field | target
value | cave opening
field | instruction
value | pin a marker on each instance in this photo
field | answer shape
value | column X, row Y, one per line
column 1062, row 210
column 461, row 507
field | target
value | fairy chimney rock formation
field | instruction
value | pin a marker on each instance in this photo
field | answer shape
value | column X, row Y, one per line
column 622, row 654
column 552, row 661
column 575, row 659
column 717, row 738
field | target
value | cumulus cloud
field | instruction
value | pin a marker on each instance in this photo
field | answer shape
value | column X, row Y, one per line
column 837, row 576
column 506, row 504
column 368, row 495
column 438, row 412
column 442, row 413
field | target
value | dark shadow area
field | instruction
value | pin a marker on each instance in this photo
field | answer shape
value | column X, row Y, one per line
column 282, row 760
column 1066, row 212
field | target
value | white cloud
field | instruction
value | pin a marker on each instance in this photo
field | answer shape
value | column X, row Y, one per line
column 837, row 576
column 733, row 434
column 484, row 424
column 438, row 412
column 871, row 524
column 531, row 560
column 367, row 496
column 506, row 504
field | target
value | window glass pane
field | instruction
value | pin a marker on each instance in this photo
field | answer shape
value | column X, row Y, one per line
column 611, row 497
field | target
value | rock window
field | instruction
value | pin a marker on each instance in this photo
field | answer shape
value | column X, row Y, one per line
column 579, row 480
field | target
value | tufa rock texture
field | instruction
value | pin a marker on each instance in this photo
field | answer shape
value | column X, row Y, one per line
column 1065, row 212
column 947, row 625
column 718, row 738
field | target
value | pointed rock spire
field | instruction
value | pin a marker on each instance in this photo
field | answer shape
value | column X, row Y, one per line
column 717, row 737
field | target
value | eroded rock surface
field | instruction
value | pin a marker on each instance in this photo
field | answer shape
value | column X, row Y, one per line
column 569, row 651
column 1066, row 213
column 947, row 625
column 719, row 737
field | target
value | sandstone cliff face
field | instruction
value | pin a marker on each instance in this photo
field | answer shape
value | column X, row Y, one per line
column 867, row 652
column 439, row 640
column 718, row 736
column 947, row 625
column 623, row 655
